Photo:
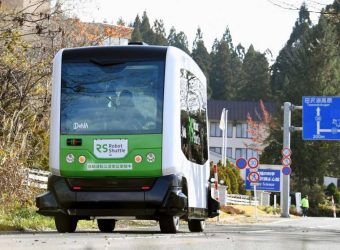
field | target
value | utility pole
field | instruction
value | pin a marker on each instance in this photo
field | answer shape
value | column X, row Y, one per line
column 287, row 129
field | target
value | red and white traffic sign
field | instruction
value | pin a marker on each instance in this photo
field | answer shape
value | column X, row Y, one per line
column 253, row 162
column 286, row 152
column 286, row 161
column 253, row 177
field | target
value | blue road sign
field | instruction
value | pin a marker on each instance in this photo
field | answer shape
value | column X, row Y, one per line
column 321, row 117
column 269, row 180
column 286, row 170
column 241, row 163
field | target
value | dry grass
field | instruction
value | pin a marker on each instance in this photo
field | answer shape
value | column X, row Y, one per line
column 239, row 214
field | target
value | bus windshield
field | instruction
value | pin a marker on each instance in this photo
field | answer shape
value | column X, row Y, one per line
column 112, row 97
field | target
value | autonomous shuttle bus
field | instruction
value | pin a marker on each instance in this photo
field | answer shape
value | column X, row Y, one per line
column 128, row 139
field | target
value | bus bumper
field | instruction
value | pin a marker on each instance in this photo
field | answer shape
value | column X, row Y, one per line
column 110, row 197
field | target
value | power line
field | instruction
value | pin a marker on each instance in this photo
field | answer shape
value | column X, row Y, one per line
column 287, row 6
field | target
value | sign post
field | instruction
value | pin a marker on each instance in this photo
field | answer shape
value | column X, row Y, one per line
column 254, row 178
column 286, row 144
column 287, row 129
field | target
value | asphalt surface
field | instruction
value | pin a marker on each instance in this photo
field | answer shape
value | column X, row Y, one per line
column 304, row 233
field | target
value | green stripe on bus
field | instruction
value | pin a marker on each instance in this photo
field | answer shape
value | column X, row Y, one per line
column 123, row 167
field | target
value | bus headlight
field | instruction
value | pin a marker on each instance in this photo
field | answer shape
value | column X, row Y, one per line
column 82, row 159
column 150, row 157
column 138, row 159
column 69, row 158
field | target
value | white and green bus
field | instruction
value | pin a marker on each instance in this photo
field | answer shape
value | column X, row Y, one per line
column 128, row 139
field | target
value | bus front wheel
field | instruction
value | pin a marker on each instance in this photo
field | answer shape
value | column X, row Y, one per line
column 169, row 224
column 196, row 225
column 106, row 225
column 65, row 223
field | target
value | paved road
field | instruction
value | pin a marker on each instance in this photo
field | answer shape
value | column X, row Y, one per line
column 306, row 233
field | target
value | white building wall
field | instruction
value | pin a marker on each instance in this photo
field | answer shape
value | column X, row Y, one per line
column 328, row 180
column 232, row 143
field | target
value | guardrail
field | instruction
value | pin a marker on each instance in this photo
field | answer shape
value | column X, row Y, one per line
column 36, row 178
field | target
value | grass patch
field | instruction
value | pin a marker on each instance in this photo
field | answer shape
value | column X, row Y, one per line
column 23, row 218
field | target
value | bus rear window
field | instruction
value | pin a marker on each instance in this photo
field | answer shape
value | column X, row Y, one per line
column 112, row 98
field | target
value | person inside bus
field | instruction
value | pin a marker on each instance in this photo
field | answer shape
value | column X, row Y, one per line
column 127, row 113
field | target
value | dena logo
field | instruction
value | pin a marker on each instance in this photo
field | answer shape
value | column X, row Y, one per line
column 81, row 125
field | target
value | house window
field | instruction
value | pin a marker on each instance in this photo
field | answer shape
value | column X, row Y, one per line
column 217, row 150
column 242, row 130
column 252, row 153
column 230, row 130
column 215, row 130
column 229, row 153
column 246, row 153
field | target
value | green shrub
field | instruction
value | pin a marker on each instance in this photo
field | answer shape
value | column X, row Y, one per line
column 323, row 210
column 331, row 189
column 293, row 210
column 337, row 197
column 270, row 209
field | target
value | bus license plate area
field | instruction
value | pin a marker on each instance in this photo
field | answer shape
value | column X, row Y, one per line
column 109, row 166
column 110, row 148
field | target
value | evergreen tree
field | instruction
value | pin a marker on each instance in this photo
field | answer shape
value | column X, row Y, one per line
column 145, row 29
column 289, row 60
column 121, row 22
column 159, row 37
column 178, row 40
column 136, row 36
column 255, row 77
column 225, row 68
column 201, row 56
column 240, row 51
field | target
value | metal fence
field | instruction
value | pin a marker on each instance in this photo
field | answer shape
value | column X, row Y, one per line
column 238, row 199
column 36, row 178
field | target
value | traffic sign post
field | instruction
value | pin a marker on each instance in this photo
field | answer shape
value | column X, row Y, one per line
column 287, row 129
column 286, row 144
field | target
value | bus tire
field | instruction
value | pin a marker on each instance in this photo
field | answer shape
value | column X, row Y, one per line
column 169, row 224
column 196, row 225
column 65, row 223
column 106, row 225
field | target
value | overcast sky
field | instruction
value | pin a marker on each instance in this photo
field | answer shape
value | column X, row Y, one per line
column 257, row 22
